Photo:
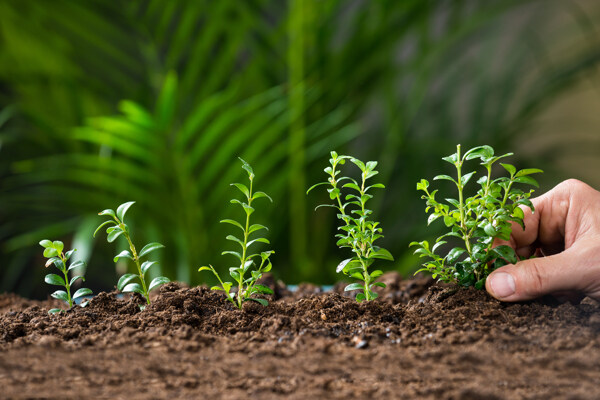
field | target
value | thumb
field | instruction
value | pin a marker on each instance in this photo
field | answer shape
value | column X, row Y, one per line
column 533, row 278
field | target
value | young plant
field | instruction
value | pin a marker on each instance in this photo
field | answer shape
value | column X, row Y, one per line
column 359, row 233
column 117, row 227
column 246, row 285
column 54, row 252
column 477, row 218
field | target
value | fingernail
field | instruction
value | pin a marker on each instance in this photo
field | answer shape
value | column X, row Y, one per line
column 503, row 284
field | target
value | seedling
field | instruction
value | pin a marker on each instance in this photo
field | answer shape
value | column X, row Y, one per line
column 359, row 233
column 477, row 220
column 54, row 252
column 246, row 286
column 117, row 227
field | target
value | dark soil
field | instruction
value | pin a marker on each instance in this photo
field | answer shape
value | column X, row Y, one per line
column 415, row 341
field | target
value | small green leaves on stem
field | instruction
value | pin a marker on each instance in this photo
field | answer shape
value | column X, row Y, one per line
column 476, row 218
column 53, row 250
column 116, row 228
column 255, row 264
column 357, row 231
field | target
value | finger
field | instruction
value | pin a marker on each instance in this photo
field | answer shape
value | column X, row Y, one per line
column 536, row 277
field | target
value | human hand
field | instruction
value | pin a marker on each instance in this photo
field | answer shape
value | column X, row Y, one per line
column 564, row 231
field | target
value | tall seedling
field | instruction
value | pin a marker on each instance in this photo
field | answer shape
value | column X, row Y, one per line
column 54, row 252
column 118, row 227
column 477, row 218
column 254, row 263
column 358, row 231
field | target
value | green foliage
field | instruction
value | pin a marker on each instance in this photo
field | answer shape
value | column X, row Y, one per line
column 359, row 233
column 478, row 220
column 53, row 251
column 246, row 285
column 118, row 227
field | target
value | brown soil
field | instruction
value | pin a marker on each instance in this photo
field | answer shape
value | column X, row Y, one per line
column 415, row 341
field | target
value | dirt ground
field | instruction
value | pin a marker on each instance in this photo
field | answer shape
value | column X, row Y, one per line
column 417, row 341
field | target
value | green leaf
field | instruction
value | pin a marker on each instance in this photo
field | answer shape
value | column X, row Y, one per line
column 235, row 239
column 352, row 186
column 53, row 279
column 452, row 159
column 518, row 212
column 359, row 164
column 261, row 240
column 61, row 295
column 114, row 234
column 82, row 292
column 124, row 280
column 381, row 253
column 159, row 280
column 527, row 180
column 69, row 253
column 263, row 289
column 150, row 247
column 454, row 254
column 102, row 225
column 422, row 185
column 354, row 286
column 481, row 152
column 380, row 284
column 232, row 222
column 76, row 264
column 510, row 168
column 489, row 229
column 360, row 297
column 258, row 195
column 506, row 252
column 146, row 265
column 256, row 227
column 123, row 254
column 444, row 178
column 50, row 252
column 74, row 279
column 248, row 168
column 261, row 301
column 58, row 245
column 233, row 253
column 375, row 274
column 316, row 185
column 466, row 178
column 45, row 243
column 449, row 221
column 108, row 211
column 133, row 288
column 243, row 188
column 205, row 269
column 343, row 264
column 122, row 209
column 54, row 311
column 528, row 171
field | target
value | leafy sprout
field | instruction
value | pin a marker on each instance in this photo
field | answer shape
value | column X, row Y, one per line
column 53, row 250
column 246, row 285
column 478, row 220
column 358, row 231
column 116, row 228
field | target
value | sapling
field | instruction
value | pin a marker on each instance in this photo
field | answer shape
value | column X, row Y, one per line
column 255, row 263
column 54, row 252
column 358, row 231
column 477, row 218
column 117, row 227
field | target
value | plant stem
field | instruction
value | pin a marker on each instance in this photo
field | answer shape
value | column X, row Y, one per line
column 66, row 274
column 240, row 294
column 461, row 207
column 136, row 259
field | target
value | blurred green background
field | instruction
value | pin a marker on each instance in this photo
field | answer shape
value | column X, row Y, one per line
column 103, row 102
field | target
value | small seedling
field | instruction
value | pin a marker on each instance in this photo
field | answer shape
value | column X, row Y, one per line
column 477, row 220
column 117, row 228
column 54, row 252
column 359, row 233
column 246, row 286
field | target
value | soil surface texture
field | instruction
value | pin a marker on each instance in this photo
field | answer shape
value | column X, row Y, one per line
column 416, row 341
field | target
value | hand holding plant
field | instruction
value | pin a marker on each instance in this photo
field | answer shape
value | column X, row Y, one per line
column 246, row 286
column 359, row 233
column 477, row 220
column 54, row 252
column 117, row 228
